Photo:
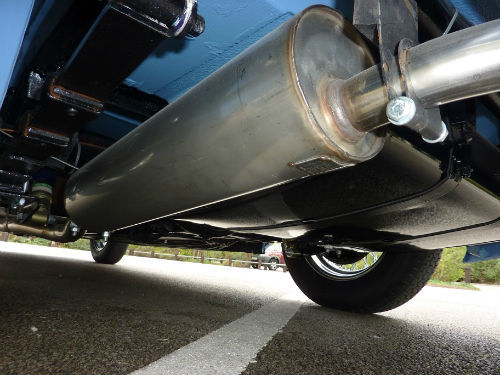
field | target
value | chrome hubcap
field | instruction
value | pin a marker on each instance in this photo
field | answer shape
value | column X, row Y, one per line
column 328, row 268
column 100, row 245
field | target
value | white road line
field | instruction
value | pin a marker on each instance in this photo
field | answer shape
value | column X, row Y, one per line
column 232, row 347
column 56, row 252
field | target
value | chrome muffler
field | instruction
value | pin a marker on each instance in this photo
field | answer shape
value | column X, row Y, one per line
column 257, row 122
column 265, row 118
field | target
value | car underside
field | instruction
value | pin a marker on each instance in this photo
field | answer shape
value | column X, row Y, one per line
column 227, row 125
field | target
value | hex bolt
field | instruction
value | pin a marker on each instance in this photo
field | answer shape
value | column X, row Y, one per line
column 74, row 228
column 21, row 201
column 105, row 236
column 401, row 110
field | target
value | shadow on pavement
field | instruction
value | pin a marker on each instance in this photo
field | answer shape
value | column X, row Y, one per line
column 337, row 342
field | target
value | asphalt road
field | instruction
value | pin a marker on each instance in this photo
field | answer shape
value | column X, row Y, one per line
column 60, row 313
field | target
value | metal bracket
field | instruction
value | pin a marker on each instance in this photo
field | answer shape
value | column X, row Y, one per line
column 11, row 182
column 123, row 34
column 75, row 100
column 393, row 25
column 386, row 23
column 68, row 88
column 462, row 123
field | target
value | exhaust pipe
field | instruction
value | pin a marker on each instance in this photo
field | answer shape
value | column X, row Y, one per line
column 457, row 66
column 263, row 119
column 62, row 230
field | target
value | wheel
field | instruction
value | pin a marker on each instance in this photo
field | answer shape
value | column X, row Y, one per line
column 377, row 281
column 273, row 264
column 107, row 252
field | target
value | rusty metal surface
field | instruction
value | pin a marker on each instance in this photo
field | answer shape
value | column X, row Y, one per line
column 358, row 101
column 314, row 69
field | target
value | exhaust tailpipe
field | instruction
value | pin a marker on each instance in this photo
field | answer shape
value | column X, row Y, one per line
column 456, row 66
column 265, row 118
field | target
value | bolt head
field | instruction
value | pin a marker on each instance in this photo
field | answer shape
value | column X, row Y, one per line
column 71, row 112
column 22, row 201
column 401, row 110
column 74, row 228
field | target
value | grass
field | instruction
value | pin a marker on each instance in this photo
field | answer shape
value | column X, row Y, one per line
column 454, row 285
column 145, row 251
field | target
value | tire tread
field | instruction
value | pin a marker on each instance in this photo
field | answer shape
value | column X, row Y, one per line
column 397, row 279
column 112, row 253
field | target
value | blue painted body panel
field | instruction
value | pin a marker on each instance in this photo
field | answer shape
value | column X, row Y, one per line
column 477, row 11
column 482, row 252
column 14, row 18
column 231, row 27
column 487, row 124
column 177, row 65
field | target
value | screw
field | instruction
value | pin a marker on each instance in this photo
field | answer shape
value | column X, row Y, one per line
column 105, row 236
column 401, row 110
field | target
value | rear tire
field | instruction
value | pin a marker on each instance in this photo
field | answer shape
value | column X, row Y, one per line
column 107, row 252
column 392, row 280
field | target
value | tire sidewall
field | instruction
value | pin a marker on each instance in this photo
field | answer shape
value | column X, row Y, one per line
column 371, row 291
column 112, row 252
